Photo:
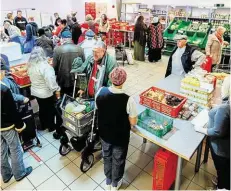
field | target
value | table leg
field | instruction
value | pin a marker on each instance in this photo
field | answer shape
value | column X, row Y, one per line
column 178, row 173
column 206, row 156
column 198, row 161
column 144, row 140
column 130, row 40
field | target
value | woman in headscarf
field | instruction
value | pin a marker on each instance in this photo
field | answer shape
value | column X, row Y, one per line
column 155, row 40
column 140, row 39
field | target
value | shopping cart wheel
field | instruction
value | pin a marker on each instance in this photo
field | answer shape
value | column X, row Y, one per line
column 64, row 149
column 87, row 163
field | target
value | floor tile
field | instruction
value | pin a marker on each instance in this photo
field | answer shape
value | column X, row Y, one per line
column 24, row 184
column 149, row 148
column 97, row 172
column 31, row 161
column 131, row 187
column 49, row 137
column 143, row 181
column 56, row 144
column 47, row 152
column 77, row 161
column 209, row 167
column 184, row 183
column 140, row 159
column 203, row 179
column 39, row 175
column 131, row 150
column 193, row 186
column 188, row 171
column 66, row 189
column 69, row 173
column 136, row 141
column 43, row 142
column 53, row 183
column 131, row 171
column 84, row 182
column 149, row 168
column 99, row 188
column 57, row 162
column 73, row 155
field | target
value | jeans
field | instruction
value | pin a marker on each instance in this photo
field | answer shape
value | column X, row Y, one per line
column 222, row 166
column 10, row 140
column 114, row 162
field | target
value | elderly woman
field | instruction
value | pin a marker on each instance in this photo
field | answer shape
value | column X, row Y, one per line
column 43, row 87
column 214, row 45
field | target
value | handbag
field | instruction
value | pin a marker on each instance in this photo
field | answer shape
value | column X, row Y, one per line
column 207, row 64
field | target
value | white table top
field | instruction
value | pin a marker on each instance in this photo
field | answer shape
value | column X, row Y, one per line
column 24, row 59
column 12, row 50
column 185, row 140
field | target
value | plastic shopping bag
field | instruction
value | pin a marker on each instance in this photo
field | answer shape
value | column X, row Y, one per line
column 129, row 55
column 207, row 64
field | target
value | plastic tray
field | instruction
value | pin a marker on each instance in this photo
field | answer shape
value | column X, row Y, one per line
column 149, row 115
column 20, row 80
column 160, row 107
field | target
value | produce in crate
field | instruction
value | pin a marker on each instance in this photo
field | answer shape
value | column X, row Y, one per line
column 204, row 27
column 157, row 96
column 189, row 111
column 194, row 26
column 172, row 100
column 20, row 68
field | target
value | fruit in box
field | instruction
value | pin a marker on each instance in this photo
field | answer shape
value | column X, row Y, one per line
column 157, row 96
column 20, row 68
column 192, row 81
column 172, row 100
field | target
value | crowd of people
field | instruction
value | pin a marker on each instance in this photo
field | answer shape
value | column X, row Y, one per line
column 74, row 48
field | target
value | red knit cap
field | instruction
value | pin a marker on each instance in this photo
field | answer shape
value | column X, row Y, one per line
column 118, row 76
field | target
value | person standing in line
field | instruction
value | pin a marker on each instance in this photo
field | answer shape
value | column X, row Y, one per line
column 11, row 125
column 20, row 21
column 214, row 46
column 104, row 25
column 116, row 114
column 65, row 27
column 43, row 87
column 155, row 40
column 140, row 39
column 57, row 18
column 10, row 19
column 31, row 29
column 218, row 132
column 75, row 30
column 58, row 28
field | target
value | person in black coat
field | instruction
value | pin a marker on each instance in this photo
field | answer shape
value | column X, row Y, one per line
column 76, row 31
column 20, row 21
column 56, row 15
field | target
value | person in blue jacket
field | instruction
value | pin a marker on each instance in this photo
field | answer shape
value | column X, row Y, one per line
column 5, row 62
column 31, row 29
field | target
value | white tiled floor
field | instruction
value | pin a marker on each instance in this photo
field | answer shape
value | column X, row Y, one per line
column 56, row 172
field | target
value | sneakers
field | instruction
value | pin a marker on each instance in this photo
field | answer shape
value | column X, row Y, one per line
column 108, row 187
column 28, row 171
column 119, row 184
column 6, row 181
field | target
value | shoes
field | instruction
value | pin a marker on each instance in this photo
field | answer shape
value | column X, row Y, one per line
column 214, row 180
column 119, row 184
column 56, row 136
column 108, row 187
column 51, row 130
column 6, row 181
column 28, row 171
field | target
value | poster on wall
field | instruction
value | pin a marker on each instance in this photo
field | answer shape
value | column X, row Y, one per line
column 90, row 9
column 101, row 8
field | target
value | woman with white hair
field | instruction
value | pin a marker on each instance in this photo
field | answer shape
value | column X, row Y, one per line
column 214, row 45
column 43, row 87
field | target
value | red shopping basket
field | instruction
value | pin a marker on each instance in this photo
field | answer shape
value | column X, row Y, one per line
column 207, row 64
column 164, row 172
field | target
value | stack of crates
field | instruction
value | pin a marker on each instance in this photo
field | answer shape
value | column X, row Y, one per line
column 164, row 172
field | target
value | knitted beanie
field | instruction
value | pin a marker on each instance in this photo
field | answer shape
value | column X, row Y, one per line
column 118, row 76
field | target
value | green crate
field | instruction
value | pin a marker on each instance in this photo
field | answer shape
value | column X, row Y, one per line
column 148, row 115
column 200, row 37
column 169, row 34
column 191, row 36
column 184, row 25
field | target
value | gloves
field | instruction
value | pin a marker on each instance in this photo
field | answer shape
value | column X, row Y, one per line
column 201, row 129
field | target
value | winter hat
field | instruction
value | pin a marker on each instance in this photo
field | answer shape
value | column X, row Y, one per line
column 90, row 33
column 66, row 34
column 118, row 76
column 155, row 19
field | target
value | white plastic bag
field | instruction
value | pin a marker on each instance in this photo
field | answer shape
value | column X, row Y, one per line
column 129, row 56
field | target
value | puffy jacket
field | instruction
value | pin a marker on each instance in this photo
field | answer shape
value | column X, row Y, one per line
column 46, row 44
column 20, row 23
column 10, row 117
column 64, row 56
column 13, row 31
column 31, row 30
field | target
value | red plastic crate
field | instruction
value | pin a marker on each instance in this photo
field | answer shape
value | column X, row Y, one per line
column 172, row 111
column 20, row 80
column 164, row 171
column 131, row 28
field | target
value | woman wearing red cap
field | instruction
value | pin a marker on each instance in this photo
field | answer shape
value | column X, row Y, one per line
column 116, row 114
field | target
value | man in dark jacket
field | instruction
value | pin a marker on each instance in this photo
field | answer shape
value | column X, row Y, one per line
column 183, row 58
column 76, row 31
column 31, row 29
column 45, row 43
column 11, row 124
column 64, row 56
column 20, row 21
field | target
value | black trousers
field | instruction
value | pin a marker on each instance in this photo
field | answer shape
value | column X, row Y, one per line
column 222, row 166
column 46, row 113
column 67, row 90
column 154, row 54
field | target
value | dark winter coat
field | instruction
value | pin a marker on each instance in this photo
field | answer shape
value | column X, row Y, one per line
column 20, row 23
column 46, row 44
column 31, row 30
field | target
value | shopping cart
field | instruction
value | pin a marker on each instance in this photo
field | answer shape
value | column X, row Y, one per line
column 224, row 66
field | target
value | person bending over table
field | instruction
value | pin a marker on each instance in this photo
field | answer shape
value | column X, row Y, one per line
column 184, row 58
column 218, row 132
column 116, row 114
